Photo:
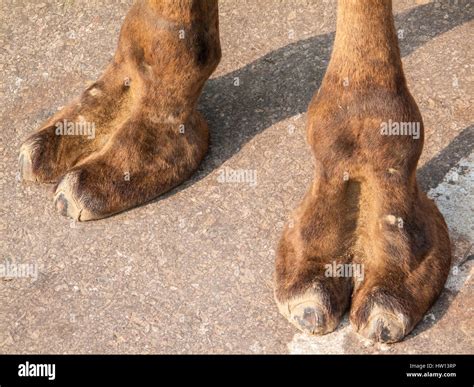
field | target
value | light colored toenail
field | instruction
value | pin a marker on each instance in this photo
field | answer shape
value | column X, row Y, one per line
column 65, row 197
column 20, row 164
column 310, row 320
column 61, row 204
column 25, row 165
column 67, row 206
column 392, row 171
column 386, row 326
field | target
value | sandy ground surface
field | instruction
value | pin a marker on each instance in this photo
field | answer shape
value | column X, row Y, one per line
column 191, row 272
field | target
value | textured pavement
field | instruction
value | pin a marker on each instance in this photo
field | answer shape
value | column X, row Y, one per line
column 192, row 271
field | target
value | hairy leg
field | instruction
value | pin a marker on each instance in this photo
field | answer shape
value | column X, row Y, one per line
column 148, row 136
column 364, row 207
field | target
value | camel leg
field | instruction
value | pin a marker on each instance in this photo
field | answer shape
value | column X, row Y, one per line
column 364, row 208
column 135, row 133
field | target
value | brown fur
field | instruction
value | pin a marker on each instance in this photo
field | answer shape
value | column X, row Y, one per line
column 149, row 136
column 364, row 181
column 355, row 219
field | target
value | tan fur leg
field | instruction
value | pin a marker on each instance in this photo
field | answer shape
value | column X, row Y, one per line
column 305, row 294
column 364, row 204
column 405, row 250
column 148, row 135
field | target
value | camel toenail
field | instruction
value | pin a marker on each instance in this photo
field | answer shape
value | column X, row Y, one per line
column 311, row 320
column 20, row 164
column 61, row 204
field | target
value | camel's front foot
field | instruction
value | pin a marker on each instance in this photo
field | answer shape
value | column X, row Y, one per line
column 365, row 216
column 135, row 133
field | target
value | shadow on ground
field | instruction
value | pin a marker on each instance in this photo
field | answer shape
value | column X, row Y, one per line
column 281, row 84
column 432, row 173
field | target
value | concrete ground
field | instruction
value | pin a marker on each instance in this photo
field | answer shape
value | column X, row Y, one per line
column 191, row 272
